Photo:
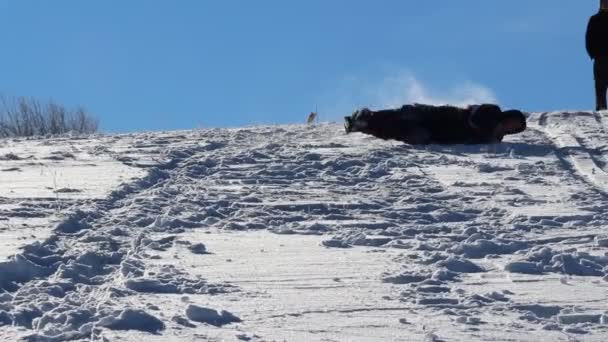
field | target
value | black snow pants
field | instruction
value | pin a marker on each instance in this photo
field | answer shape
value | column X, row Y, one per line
column 600, row 73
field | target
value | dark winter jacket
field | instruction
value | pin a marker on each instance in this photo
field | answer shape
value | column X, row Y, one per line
column 597, row 35
column 447, row 122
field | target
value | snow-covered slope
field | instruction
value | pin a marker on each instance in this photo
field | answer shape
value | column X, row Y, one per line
column 307, row 234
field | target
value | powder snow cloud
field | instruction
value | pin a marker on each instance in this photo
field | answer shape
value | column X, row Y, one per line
column 396, row 88
column 402, row 88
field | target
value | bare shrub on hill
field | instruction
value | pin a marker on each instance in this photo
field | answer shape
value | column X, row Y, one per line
column 26, row 117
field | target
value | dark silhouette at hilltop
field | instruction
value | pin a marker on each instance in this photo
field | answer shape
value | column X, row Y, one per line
column 597, row 48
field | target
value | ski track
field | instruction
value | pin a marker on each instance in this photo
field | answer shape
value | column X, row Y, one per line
column 587, row 156
column 476, row 234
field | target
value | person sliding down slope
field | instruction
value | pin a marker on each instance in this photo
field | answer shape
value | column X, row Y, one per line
column 426, row 124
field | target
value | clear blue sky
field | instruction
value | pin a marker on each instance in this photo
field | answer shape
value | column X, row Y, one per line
column 171, row 64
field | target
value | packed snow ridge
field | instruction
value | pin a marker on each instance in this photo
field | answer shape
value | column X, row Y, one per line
column 306, row 233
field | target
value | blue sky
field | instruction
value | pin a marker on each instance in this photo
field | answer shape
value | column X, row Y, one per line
column 156, row 65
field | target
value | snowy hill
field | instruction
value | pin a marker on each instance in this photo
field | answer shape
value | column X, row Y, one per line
column 303, row 233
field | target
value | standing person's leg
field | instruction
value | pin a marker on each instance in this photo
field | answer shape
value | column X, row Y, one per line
column 600, row 73
column 601, row 87
column 600, row 94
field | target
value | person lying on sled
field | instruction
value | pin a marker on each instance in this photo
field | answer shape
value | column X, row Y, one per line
column 426, row 124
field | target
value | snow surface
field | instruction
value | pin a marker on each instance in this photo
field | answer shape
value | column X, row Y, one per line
column 303, row 233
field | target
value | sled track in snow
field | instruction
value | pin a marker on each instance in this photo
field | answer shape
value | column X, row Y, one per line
column 569, row 162
column 599, row 132
column 583, row 161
